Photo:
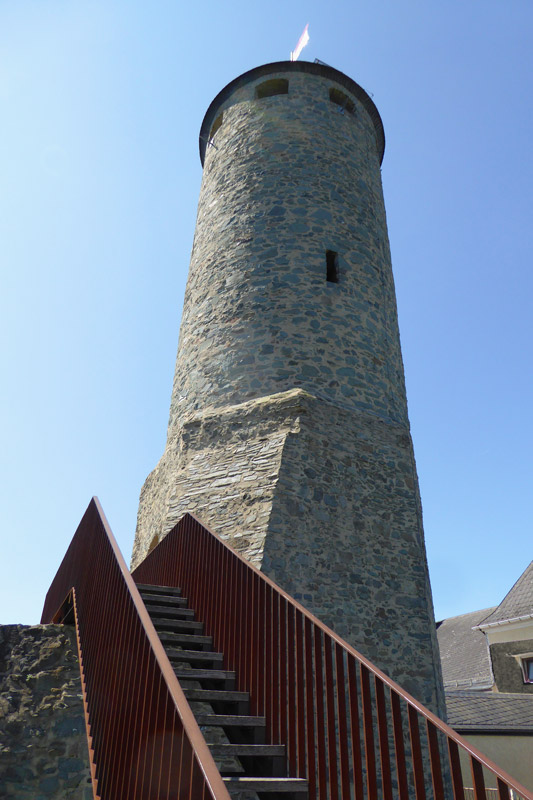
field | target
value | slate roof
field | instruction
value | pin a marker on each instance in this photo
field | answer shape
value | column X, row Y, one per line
column 464, row 653
column 518, row 602
column 489, row 712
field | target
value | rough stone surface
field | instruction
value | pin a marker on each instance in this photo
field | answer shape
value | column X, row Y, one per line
column 43, row 744
column 507, row 666
column 288, row 430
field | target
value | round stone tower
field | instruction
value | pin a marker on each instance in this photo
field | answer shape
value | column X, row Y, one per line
column 288, row 431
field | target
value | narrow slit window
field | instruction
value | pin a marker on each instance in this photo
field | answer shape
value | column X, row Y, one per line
column 332, row 266
column 342, row 100
column 272, row 87
column 216, row 125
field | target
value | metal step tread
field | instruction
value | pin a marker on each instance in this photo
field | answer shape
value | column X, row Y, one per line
column 185, row 638
column 170, row 601
column 169, row 612
column 231, row 749
column 204, row 674
column 217, row 695
column 168, row 590
column 193, row 655
column 230, row 720
column 177, row 624
column 298, row 785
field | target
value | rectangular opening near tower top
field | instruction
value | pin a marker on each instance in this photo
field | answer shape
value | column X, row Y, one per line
column 272, row 87
column 332, row 266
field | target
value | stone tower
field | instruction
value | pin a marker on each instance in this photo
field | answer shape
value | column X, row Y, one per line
column 288, row 431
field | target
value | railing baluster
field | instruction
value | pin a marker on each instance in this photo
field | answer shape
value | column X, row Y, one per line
column 122, row 733
column 416, row 753
column 108, row 703
column 383, row 734
column 165, row 748
column 283, row 693
column 116, row 724
column 269, row 694
column 342, row 722
column 478, row 778
column 292, row 698
column 146, row 728
column 309, row 708
column 256, row 671
column 434, row 758
column 330, row 707
column 225, row 604
column 503, row 790
column 262, row 648
column 399, row 746
column 456, row 771
column 300, row 688
column 355, row 729
column 174, row 777
column 275, row 708
column 368, row 728
column 138, row 699
column 320, row 726
column 154, row 751
column 241, row 637
column 219, row 603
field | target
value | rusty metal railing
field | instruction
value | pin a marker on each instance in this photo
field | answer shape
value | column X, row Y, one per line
column 349, row 729
column 144, row 742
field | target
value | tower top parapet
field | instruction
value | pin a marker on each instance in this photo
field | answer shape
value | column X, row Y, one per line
column 277, row 67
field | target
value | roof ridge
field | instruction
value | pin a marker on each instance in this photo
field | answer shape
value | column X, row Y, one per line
column 519, row 602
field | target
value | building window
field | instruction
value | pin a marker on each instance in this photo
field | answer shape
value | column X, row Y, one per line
column 216, row 125
column 272, row 87
column 332, row 266
column 527, row 669
column 342, row 100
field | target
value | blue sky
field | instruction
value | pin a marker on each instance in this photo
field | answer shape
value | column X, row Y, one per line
column 101, row 105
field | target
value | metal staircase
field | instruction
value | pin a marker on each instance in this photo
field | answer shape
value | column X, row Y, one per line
column 289, row 711
column 236, row 739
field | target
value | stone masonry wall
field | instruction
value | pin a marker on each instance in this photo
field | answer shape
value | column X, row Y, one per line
column 287, row 178
column 43, row 744
column 223, row 469
column 288, row 430
column 507, row 669
column 325, row 502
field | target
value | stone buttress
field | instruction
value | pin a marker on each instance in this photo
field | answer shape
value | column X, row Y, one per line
column 288, row 431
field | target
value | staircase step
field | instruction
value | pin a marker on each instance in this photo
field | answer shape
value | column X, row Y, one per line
column 280, row 785
column 180, row 634
column 248, row 750
column 164, row 600
column 169, row 612
column 230, row 721
column 193, row 655
column 183, row 625
column 186, row 638
column 167, row 590
column 204, row 674
column 216, row 695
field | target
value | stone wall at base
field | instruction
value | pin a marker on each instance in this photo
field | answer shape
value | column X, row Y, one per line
column 324, row 500
column 222, row 466
column 43, row 743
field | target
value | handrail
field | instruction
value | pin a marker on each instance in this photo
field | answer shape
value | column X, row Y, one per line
column 349, row 729
column 144, row 740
